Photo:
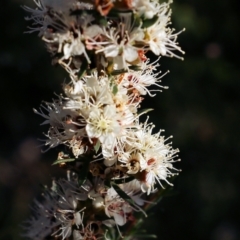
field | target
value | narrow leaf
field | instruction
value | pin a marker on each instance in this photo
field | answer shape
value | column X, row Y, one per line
column 115, row 90
column 97, row 146
column 122, row 194
column 103, row 22
column 135, row 68
column 120, row 71
column 83, row 68
column 59, row 161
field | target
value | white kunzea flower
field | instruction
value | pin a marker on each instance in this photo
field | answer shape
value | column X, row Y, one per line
column 65, row 124
column 43, row 222
column 64, row 32
column 58, row 213
column 103, row 124
column 118, row 208
column 74, row 48
column 54, row 13
column 142, row 79
column 147, row 156
column 146, row 8
column 69, row 194
column 159, row 37
column 118, row 42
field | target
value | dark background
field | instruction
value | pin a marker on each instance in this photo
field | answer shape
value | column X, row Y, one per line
column 201, row 111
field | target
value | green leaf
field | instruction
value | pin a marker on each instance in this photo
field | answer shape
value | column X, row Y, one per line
column 149, row 22
column 115, row 89
column 135, row 68
column 120, row 71
column 83, row 68
column 103, row 22
column 97, row 146
column 58, row 161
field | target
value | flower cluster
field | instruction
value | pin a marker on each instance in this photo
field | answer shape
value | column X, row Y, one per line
column 63, row 210
column 114, row 162
column 116, row 33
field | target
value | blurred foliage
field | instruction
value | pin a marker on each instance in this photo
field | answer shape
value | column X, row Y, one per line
column 201, row 110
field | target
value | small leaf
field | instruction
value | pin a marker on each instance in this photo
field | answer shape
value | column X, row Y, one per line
column 135, row 67
column 97, row 146
column 103, row 22
column 120, row 71
column 59, row 161
column 115, row 89
column 83, row 68
column 122, row 194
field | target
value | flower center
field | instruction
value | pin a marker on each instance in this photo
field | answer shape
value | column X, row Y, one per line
column 103, row 125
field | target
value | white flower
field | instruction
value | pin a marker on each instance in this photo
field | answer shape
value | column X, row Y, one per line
column 58, row 213
column 43, row 222
column 146, row 8
column 103, row 124
column 160, row 38
column 146, row 156
column 54, row 13
column 118, row 42
column 74, row 48
column 118, row 208
column 66, row 126
column 69, row 194
column 142, row 79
